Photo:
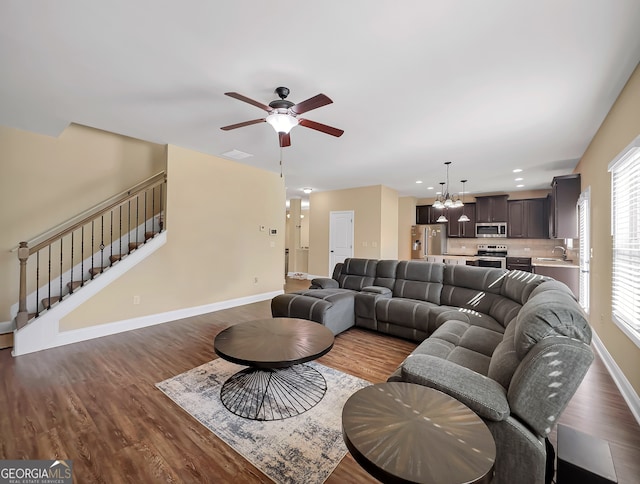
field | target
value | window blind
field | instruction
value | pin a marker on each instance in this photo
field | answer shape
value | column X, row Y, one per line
column 625, row 220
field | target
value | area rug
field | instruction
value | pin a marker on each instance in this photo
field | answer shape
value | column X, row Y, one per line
column 302, row 449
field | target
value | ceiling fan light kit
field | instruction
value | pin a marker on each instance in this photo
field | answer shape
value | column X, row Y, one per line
column 283, row 115
column 281, row 121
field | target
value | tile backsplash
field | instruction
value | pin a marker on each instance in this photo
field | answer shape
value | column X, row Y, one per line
column 517, row 247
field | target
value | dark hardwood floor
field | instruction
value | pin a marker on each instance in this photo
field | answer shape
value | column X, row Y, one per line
column 95, row 402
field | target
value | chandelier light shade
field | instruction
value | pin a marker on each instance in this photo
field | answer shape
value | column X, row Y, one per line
column 446, row 200
column 442, row 219
column 463, row 217
column 282, row 122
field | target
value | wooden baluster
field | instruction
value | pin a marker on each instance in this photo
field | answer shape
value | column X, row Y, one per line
column 23, row 315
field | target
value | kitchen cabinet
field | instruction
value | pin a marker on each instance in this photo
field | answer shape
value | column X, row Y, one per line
column 569, row 275
column 563, row 212
column 426, row 214
column 492, row 208
column 462, row 229
column 519, row 264
column 528, row 219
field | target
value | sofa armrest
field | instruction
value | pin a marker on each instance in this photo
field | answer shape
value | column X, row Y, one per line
column 484, row 396
column 324, row 283
column 378, row 290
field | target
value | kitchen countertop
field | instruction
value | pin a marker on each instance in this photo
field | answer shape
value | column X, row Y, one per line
column 554, row 263
column 535, row 261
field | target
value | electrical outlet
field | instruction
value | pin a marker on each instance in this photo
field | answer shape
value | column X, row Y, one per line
column 263, row 228
column 136, row 299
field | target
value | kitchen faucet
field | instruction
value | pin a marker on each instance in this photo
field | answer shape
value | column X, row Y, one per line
column 564, row 251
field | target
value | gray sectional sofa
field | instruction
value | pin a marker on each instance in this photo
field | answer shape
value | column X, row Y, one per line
column 511, row 345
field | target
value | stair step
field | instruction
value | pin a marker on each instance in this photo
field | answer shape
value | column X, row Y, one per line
column 94, row 271
column 134, row 245
column 50, row 301
column 115, row 258
column 74, row 285
column 149, row 235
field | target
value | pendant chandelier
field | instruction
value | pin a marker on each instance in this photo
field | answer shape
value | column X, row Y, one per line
column 463, row 217
column 445, row 200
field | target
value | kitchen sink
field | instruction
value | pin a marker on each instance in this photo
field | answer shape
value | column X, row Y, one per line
column 552, row 259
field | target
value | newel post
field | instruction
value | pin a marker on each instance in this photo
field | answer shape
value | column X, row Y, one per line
column 23, row 314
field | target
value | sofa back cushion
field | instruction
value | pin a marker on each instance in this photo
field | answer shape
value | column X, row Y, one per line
column 550, row 311
column 518, row 285
column 419, row 280
column 357, row 273
column 386, row 273
column 478, row 289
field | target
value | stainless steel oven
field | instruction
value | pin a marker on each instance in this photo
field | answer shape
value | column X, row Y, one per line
column 491, row 256
column 491, row 229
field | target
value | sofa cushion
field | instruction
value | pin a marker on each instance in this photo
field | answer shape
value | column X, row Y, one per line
column 504, row 360
column 550, row 312
column 518, row 285
column 386, row 273
column 408, row 313
column 462, row 343
column 419, row 280
column 484, row 279
column 357, row 273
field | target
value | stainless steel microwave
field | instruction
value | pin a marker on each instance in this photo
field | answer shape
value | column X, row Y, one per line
column 491, row 229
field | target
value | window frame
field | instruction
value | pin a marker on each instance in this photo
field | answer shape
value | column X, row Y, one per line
column 627, row 163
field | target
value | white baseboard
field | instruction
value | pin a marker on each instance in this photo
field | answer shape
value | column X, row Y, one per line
column 628, row 393
column 61, row 338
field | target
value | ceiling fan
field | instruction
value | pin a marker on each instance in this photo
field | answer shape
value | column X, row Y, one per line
column 283, row 114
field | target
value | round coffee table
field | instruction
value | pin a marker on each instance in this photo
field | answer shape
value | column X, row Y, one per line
column 408, row 433
column 277, row 384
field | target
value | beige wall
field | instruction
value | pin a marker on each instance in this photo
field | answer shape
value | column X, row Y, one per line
column 620, row 127
column 215, row 248
column 369, row 240
column 406, row 218
column 389, row 216
column 45, row 181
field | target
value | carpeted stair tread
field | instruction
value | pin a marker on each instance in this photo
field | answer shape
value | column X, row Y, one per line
column 74, row 285
column 94, row 271
column 50, row 301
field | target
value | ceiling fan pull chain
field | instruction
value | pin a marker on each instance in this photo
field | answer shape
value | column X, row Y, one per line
column 281, row 162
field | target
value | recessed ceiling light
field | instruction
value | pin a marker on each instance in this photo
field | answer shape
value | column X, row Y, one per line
column 519, row 186
column 429, row 188
column 418, row 181
column 517, row 170
column 438, row 193
column 519, row 179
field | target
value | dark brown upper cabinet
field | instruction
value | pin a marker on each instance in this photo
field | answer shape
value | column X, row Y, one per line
column 462, row 229
column 492, row 208
column 563, row 211
column 528, row 219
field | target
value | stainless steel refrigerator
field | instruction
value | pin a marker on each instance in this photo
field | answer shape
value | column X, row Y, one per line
column 428, row 240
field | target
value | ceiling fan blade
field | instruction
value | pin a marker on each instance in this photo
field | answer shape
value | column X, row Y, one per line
column 242, row 125
column 320, row 127
column 312, row 103
column 285, row 139
column 240, row 97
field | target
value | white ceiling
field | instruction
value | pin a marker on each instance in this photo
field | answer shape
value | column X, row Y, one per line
column 489, row 85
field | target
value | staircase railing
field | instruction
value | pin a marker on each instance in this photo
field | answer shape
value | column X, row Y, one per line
column 98, row 232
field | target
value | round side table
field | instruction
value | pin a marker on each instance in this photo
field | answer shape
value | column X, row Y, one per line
column 408, row 433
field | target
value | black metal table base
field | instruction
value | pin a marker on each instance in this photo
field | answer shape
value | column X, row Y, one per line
column 273, row 394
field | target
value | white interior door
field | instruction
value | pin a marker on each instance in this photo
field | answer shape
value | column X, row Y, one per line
column 340, row 237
